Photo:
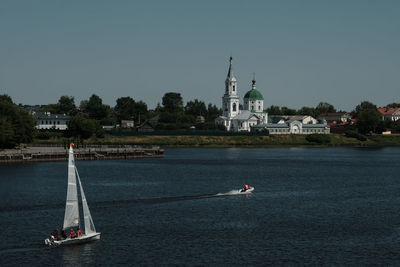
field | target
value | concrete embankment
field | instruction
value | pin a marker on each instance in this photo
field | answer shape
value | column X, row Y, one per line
column 33, row 154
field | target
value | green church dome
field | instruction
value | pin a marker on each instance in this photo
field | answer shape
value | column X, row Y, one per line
column 254, row 94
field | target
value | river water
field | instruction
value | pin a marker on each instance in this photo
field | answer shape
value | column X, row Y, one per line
column 334, row 206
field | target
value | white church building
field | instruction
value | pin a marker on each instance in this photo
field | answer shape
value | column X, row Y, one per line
column 252, row 113
column 253, row 117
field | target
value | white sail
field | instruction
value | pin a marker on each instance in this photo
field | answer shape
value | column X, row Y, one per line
column 71, row 217
column 89, row 225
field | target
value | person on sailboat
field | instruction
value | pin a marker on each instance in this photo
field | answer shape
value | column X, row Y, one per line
column 55, row 234
column 72, row 233
column 79, row 232
column 63, row 235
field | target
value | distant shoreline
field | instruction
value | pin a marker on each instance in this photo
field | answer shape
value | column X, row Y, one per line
column 170, row 141
column 59, row 153
column 150, row 146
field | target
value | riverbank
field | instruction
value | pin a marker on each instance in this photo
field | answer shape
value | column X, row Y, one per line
column 59, row 153
column 238, row 141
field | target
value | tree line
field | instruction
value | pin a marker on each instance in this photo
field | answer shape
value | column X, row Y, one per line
column 16, row 124
column 87, row 119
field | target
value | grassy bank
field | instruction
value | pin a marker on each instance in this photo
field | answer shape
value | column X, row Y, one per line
column 238, row 141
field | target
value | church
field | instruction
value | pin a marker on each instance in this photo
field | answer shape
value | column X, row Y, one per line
column 236, row 119
column 253, row 117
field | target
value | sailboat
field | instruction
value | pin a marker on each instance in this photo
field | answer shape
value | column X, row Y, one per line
column 72, row 209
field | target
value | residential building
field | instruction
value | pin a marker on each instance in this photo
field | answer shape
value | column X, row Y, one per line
column 389, row 113
column 46, row 120
column 145, row 127
column 335, row 117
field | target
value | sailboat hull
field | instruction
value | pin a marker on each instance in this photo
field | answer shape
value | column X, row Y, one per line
column 73, row 241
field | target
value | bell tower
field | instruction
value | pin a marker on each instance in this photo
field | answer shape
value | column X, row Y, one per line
column 230, row 100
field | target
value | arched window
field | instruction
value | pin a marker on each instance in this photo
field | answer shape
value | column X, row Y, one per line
column 259, row 108
column 234, row 107
column 252, row 107
column 233, row 88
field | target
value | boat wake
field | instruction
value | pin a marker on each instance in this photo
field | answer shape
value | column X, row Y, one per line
column 112, row 203
column 167, row 199
column 230, row 193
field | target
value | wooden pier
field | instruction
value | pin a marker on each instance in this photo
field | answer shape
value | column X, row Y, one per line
column 35, row 154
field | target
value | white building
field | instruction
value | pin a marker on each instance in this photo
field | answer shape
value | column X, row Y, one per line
column 232, row 117
column 389, row 113
column 293, row 127
column 305, row 119
column 46, row 120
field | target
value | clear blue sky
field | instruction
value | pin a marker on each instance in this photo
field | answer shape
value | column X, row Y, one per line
column 303, row 52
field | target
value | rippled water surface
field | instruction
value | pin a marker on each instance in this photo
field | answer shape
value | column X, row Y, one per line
column 336, row 206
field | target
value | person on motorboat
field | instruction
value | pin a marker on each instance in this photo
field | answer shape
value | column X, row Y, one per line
column 79, row 232
column 72, row 233
column 245, row 188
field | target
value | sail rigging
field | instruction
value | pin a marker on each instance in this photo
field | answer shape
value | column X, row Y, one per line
column 71, row 216
column 88, row 221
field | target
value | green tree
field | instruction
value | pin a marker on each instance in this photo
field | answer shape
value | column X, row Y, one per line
column 394, row 105
column 288, row 111
column 396, row 125
column 83, row 105
column 6, row 99
column 16, row 124
column 213, row 112
column 110, row 118
column 66, row 105
column 7, row 138
column 196, row 108
column 172, row 102
column 365, row 105
column 368, row 117
column 324, row 107
column 82, row 127
column 125, row 108
column 310, row 111
column 141, row 111
column 274, row 110
column 52, row 108
column 95, row 108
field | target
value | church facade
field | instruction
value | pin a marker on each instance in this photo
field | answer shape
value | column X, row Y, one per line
column 235, row 119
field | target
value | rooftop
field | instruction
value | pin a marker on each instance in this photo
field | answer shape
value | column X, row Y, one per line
column 49, row 116
column 388, row 110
